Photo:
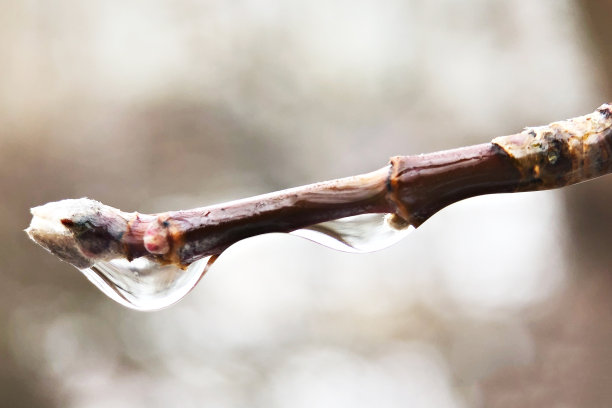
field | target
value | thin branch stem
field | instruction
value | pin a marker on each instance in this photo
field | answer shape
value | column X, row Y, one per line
column 411, row 188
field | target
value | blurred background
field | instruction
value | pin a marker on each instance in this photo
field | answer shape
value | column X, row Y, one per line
column 498, row 301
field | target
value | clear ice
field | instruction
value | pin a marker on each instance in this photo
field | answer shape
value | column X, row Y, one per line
column 360, row 233
column 143, row 284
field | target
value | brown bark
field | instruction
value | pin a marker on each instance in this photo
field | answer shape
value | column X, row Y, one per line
column 413, row 188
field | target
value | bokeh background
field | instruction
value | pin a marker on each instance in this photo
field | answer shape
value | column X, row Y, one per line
column 498, row 301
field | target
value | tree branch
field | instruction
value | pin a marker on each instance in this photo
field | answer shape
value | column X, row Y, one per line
column 411, row 188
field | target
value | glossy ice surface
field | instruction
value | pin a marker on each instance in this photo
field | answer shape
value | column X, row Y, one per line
column 144, row 284
column 360, row 233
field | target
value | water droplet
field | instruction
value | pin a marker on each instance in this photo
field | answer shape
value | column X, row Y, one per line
column 360, row 233
column 144, row 284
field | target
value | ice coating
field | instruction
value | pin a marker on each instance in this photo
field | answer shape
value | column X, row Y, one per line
column 95, row 239
column 143, row 284
column 360, row 233
column 150, row 261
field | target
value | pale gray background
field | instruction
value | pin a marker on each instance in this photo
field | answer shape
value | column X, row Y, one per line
column 498, row 301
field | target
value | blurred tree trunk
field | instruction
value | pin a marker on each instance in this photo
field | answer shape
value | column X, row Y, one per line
column 573, row 364
column 589, row 205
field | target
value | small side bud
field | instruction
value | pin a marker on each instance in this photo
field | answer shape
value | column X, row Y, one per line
column 156, row 237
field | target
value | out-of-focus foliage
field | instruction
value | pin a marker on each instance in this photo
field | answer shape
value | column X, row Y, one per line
column 156, row 105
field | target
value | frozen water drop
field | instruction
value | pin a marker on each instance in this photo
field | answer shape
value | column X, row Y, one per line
column 144, row 284
column 91, row 236
column 360, row 233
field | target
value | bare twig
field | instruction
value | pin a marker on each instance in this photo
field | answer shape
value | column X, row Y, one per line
column 411, row 188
